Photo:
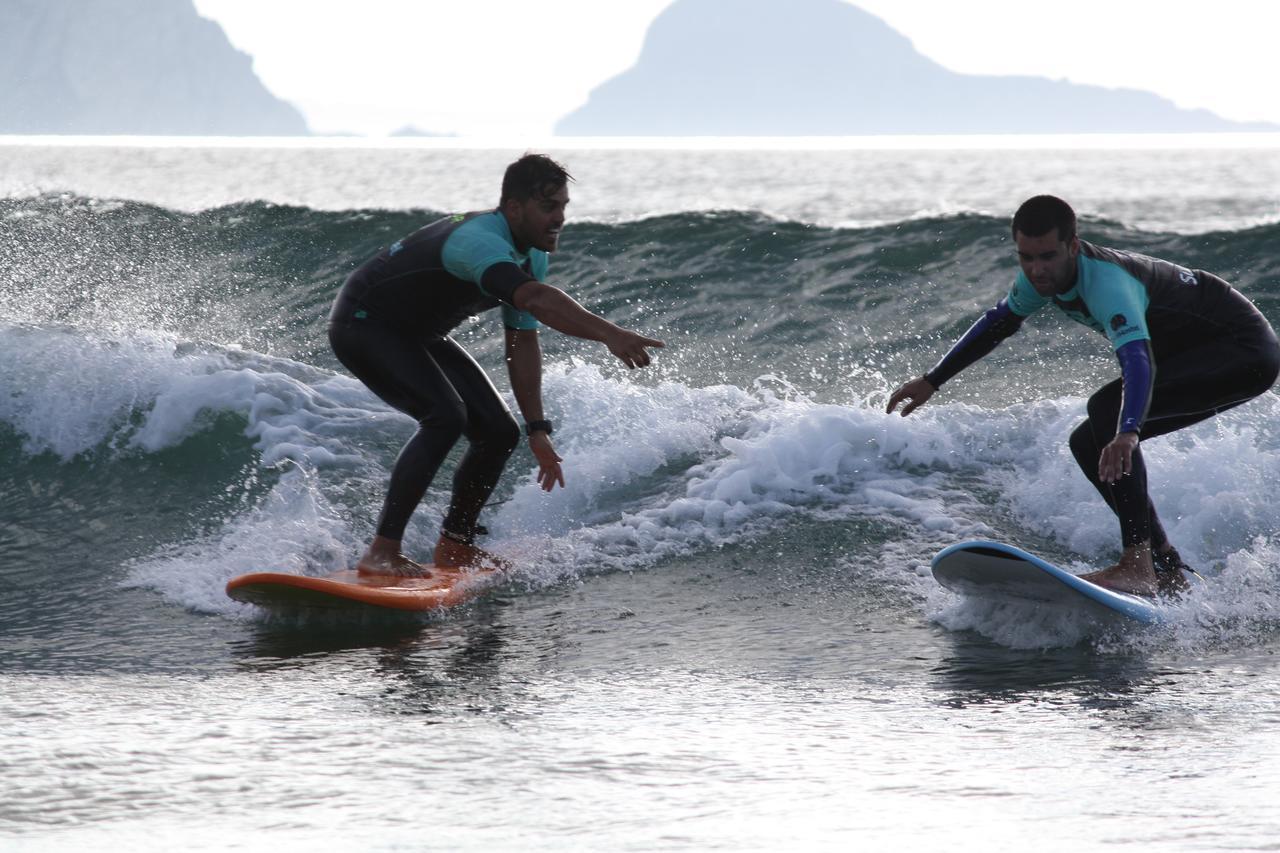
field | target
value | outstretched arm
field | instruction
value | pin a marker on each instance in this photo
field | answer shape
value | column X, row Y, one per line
column 557, row 309
column 524, row 367
column 983, row 336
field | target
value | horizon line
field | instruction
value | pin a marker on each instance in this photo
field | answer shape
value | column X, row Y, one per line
column 899, row 142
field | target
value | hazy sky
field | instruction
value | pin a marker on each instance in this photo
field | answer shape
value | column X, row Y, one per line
column 511, row 68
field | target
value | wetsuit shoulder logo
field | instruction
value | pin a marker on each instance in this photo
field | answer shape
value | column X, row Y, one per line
column 1187, row 276
column 458, row 217
column 395, row 247
column 1118, row 322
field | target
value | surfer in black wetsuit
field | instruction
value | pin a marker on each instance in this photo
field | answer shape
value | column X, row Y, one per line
column 390, row 327
column 1189, row 346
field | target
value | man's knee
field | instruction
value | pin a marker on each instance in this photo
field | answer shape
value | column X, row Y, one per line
column 504, row 435
column 498, row 434
column 446, row 419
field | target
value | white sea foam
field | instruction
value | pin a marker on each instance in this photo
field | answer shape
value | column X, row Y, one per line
column 710, row 466
column 760, row 459
column 655, row 471
column 71, row 393
column 720, row 465
column 294, row 529
column 1214, row 486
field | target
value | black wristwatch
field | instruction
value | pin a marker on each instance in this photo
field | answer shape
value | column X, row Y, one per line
column 538, row 426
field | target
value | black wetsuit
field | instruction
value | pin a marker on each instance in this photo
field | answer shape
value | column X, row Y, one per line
column 1190, row 346
column 389, row 326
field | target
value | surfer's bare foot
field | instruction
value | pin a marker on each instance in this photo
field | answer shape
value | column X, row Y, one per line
column 452, row 553
column 1170, row 568
column 1134, row 574
column 383, row 557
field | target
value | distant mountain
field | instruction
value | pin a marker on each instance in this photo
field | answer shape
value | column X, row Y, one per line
column 823, row 68
column 129, row 67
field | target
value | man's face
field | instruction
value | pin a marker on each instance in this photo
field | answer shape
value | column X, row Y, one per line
column 536, row 222
column 1048, row 261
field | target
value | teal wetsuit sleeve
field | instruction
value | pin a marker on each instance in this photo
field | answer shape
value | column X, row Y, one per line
column 1119, row 302
column 512, row 317
column 501, row 281
column 470, row 250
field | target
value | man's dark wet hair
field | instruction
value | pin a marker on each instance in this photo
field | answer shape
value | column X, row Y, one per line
column 533, row 176
column 1043, row 213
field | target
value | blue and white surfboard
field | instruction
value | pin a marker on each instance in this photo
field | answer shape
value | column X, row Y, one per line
column 992, row 570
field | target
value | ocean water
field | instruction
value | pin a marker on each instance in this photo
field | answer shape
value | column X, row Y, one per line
column 722, row 634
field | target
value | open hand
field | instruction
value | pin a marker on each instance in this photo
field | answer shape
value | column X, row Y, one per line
column 917, row 391
column 549, row 472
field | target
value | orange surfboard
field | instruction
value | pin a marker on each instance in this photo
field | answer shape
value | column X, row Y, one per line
column 348, row 590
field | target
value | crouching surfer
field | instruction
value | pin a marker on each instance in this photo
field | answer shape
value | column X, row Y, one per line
column 1189, row 347
column 390, row 327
